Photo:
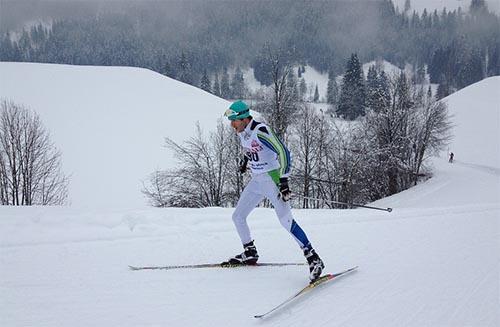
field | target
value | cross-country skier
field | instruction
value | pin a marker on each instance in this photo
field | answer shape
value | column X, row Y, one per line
column 269, row 161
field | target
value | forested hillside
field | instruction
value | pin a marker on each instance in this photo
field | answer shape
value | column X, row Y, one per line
column 196, row 41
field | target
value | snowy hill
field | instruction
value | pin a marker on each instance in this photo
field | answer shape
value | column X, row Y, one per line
column 109, row 122
column 433, row 261
column 471, row 107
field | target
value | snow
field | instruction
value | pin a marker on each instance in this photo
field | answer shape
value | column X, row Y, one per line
column 474, row 104
column 311, row 76
column 387, row 67
column 109, row 123
column 433, row 261
column 250, row 81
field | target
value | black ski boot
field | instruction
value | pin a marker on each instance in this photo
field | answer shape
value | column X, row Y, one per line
column 247, row 257
column 316, row 265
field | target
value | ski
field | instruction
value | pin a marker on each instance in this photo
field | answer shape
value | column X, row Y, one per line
column 322, row 280
column 217, row 265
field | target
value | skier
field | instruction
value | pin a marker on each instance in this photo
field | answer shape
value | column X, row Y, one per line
column 451, row 157
column 270, row 166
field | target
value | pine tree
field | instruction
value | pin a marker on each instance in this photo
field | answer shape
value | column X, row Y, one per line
column 168, row 70
column 316, row 94
column 216, row 88
column 478, row 7
column 292, row 85
column 238, row 84
column 471, row 69
column 7, row 52
column 205, row 82
column 403, row 99
column 184, row 71
column 371, row 87
column 302, row 89
column 443, row 89
column 332, row 90
column 420, row 74
column 407, row 6
column 378, row 96
column 225, row 89
column 384, row 93
column 352, row 93
column 494, row 61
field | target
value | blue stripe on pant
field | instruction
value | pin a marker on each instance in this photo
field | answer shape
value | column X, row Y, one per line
column 299, row 234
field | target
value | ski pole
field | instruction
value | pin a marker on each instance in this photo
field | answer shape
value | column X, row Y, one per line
column 350, row 204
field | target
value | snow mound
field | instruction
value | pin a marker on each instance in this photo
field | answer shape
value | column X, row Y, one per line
column 109, row 123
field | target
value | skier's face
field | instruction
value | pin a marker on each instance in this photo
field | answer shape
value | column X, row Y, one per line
column 239, row 125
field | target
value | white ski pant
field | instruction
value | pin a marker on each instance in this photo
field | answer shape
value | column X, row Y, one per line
column 262, row 186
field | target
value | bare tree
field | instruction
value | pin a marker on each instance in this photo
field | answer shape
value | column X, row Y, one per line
column 430, row 132
column 202, row 175
column 406, row 132
column 305, row 147
column 281, row 105
column 235, row 181
column 30, row 165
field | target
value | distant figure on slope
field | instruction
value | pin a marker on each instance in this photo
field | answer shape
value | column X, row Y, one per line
column 270, row 166
column 451, row 157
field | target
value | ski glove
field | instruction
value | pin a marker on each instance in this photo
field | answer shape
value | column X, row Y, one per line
column 243, row 165
column 285, row 193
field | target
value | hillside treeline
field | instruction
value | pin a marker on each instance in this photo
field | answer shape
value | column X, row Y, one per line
column 190, row 40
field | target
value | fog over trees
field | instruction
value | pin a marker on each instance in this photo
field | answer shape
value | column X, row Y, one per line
column 184, row 39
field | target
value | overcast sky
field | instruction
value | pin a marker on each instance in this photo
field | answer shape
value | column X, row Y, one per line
column 15, row 14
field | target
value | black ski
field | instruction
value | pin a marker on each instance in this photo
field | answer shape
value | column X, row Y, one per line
column 218, row 265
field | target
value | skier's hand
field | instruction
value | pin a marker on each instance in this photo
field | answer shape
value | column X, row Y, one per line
column 243, row 165
column 285, row 193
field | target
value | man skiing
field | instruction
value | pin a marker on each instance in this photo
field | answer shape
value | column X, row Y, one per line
column 269, row 161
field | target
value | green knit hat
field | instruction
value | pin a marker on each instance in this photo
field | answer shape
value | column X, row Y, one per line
column 238, row 110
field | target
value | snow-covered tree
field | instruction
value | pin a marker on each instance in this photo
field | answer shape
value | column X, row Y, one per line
column 332, row 91
column 302, row 89
column 238, row 84
column 225, row 87
column 184, row 72
column 352, row 92
column 216, row 87
column 205, row 82
column 316, row 94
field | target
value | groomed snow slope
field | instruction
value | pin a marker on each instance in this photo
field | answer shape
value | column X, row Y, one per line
column 109, row 123
column 433, row 261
